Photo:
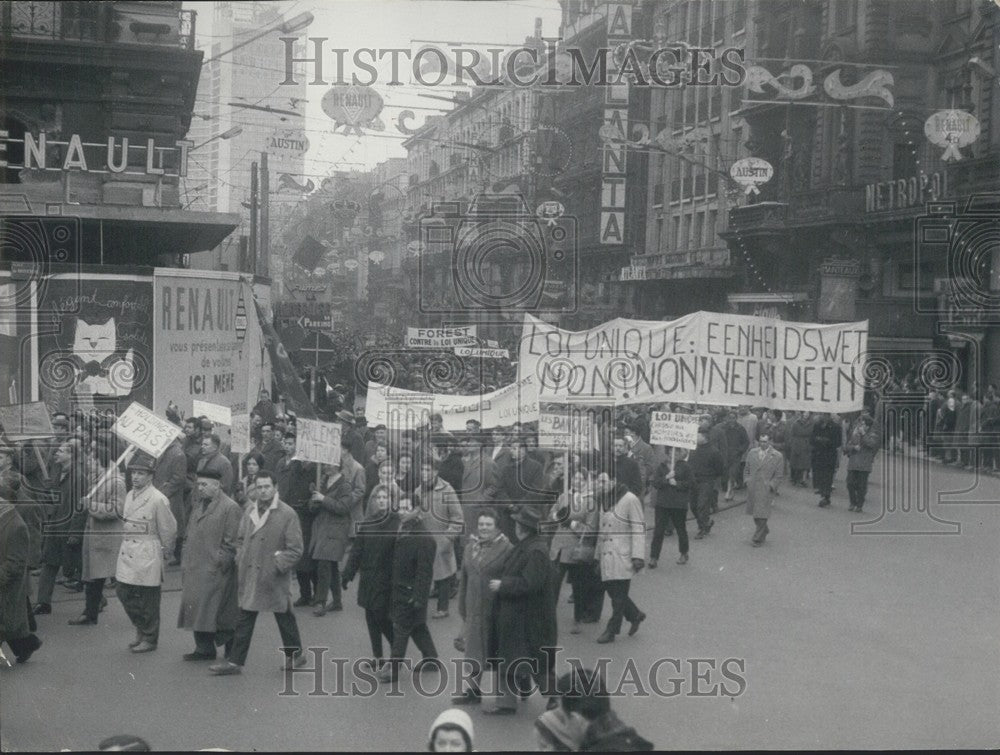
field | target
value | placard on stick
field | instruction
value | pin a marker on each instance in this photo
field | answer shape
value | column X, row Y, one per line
column 671, row 429
column 220, row 415
column 568, row 431
column 317, row 441
column 26, row 421
column 139, row 427
column 239, row 440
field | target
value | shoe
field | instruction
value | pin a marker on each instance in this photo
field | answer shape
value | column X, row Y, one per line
column 226, row 668
column 652, row 563
column 576, row 628
column 135, row 642
column 144, row 647
column 104, row 604
column 80, row 621
column 683, row 558
column 606, row 637
column 302, row 602
column 42, row 609
column 756, row 544
column 331, row 606
column 74, row 586
column 319, row 611
column 371, row 664
column 552, row 704
column 469, row 697
column 386, row 675
column 197, row 655
column 174, row 562
column 295, row 660
column 635, row 624
column 439, row 615
column 26, row 655
column 700, row 535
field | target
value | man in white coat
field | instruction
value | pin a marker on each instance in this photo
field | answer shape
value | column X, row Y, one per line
column 621, row 552
column 150, row 530
column 765, row 465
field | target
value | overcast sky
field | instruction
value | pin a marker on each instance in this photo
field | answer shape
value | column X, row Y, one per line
column 385, row 24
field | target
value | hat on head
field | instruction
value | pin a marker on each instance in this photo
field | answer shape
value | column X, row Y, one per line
column 529, row 516
column 209, row 473
column 345, row 416
column 554, row 725
column 453, row 717
column 142, row 462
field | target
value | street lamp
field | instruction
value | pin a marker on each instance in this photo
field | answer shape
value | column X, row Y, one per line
column 293, row 24
column 229, row 134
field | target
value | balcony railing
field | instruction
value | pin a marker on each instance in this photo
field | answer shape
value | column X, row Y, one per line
column 98, row 22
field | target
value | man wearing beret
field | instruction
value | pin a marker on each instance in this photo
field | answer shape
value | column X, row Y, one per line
column 150, row 530
column 208, row 569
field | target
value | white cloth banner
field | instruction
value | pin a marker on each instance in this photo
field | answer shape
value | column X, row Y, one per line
column 675, row 430
column 701, row 358
column 441, row 338
column 400, row 409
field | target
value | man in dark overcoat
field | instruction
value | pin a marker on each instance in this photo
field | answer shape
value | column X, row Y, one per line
column 208, row 571
column 827, row 437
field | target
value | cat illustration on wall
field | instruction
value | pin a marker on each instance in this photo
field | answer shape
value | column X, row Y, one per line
column 100, row 369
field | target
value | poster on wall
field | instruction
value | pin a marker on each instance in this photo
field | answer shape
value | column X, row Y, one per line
column 206, row 329
column 97, row 352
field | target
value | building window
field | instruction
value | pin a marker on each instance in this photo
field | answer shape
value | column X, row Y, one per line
column 659, row 234
column 658, row 195
column 719, row 22
column 699, row 183
column 678, row 109
column 845, row 14
column 682, row 23
column 904, row 160
column 703, row 104
column 713, row 218
column 686, row 177
column 690, row 112
column 697, row 239
column 675, row 229
column 715, row 104
column 705, row 38
column 675, row 186
column 739, row 16
column 682, row 241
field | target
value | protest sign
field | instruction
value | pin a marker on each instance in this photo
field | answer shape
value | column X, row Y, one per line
column 469, row 351
column 702, row 358
column 139, row 427
column 570, row 430
column 26, row 421
column 317, row 441
column 240, row 434
column 220, row 415
column 441, row 338
column 517, row 402
column 676, row 430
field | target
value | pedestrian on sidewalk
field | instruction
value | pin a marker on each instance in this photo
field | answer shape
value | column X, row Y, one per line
column 102, row 538
column 674, row 485
column 765, row 465
column 268, row 546
column 208, row 573
column 621, row 551
column 149, row 532
column 826, row 439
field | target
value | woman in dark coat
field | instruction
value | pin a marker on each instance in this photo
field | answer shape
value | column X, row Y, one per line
column 331, row 532
column 674, row 484
column 14, row 545
column 371, row 557
column 524, row 616
column 800, row 447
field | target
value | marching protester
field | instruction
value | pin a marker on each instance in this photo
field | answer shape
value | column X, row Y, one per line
column 621, row 550
column 707, row 468
column 333, row 506
column 58, row 526
column 171, row 479
column 862, row 446
column 589, row 722
column 674, row 484
column 765, row 466
column 800, row 447
column 524, row 620
column 246, row 489
column 573, row 549
column 412, row 574
column 451, row 732
column 268, row 545
column 352, row 470
column 627, row 468
column 826, row 438
column 102, row 539
column 484, row 556
column 371, row 557
column 208, row 573
column 212, row 458
column 446, row 523
column 737, row 445
column 293, row 479
column 149, row 532
column 519, row 479
column 15, row 619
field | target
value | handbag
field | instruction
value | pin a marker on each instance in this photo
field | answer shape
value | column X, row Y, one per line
column 583, row 552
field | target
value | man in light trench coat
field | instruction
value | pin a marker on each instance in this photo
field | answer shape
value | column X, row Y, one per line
column 208, row 568
column 763, row 472
column 150, row 530
column 268, row 547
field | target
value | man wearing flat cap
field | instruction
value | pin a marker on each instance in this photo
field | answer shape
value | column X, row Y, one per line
column 350, row 437
column 150, row 530
column 208, row 574
column 524, row 614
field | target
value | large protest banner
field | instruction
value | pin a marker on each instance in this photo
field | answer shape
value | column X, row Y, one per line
column 702, row 358
column 401, row 409
column 207, row 340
